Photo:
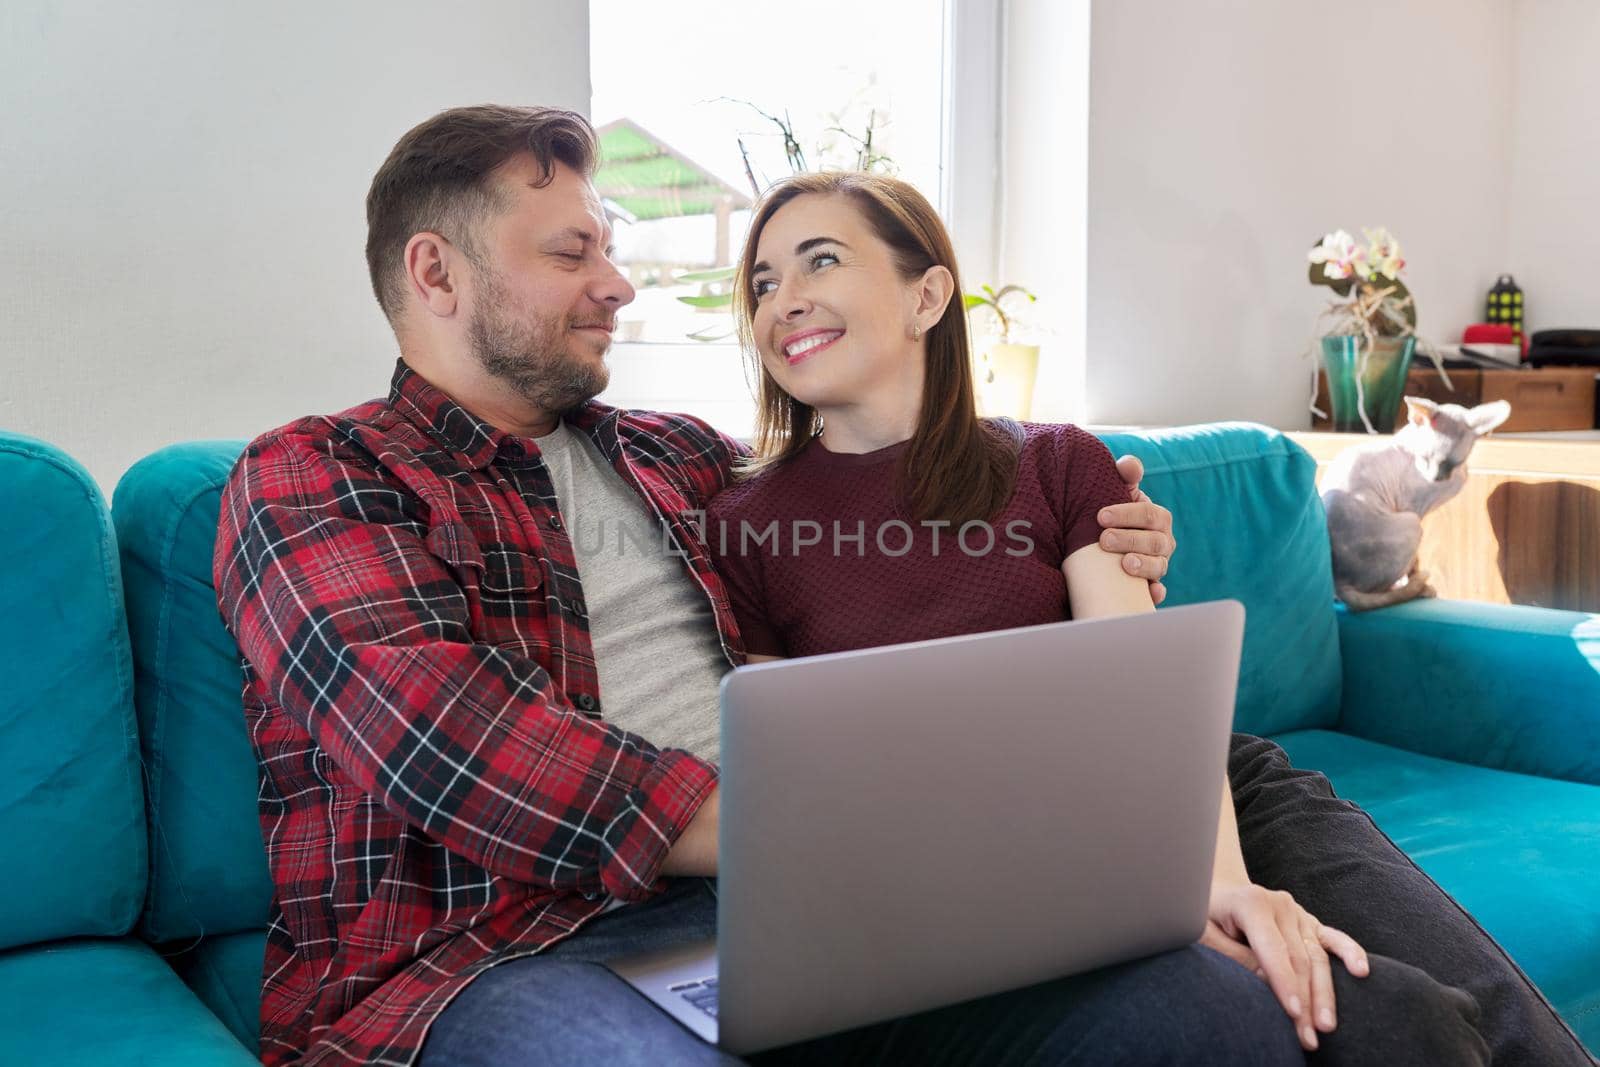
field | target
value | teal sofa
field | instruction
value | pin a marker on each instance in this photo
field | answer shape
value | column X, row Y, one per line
column 138, row 885
column 80, row 980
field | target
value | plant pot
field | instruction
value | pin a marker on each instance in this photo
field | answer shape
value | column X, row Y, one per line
column 1382, row 381
column 1013, row 369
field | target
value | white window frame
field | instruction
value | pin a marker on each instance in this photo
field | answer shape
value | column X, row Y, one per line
column 710, row 379
column 973, row 164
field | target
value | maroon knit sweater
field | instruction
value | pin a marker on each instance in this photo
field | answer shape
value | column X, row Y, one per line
column 819, row 554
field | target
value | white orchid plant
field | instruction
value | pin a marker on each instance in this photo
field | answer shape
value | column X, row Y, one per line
column 1375, row 302
column 1378, row 304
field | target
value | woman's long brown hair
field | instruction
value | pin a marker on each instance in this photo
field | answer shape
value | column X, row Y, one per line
column 957, row 466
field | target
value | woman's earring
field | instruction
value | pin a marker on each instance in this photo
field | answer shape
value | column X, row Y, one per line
column 916, row 333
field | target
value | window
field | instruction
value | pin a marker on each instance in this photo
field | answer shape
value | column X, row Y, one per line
column 687, row 99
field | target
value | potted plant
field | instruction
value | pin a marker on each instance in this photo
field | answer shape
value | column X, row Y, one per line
column 1003, row 370
column 1371, row 334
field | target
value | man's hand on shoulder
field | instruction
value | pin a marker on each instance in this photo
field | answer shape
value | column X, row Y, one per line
column 1140, row 531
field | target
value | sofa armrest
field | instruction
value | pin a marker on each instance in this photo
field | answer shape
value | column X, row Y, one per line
column 1515, row 688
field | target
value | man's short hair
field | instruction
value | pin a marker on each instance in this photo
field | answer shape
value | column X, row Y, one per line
column 437, row 179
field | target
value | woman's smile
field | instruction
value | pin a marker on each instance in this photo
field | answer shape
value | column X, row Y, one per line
column 800, row 346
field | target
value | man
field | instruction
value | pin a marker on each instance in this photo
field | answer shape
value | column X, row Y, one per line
column 443, row 791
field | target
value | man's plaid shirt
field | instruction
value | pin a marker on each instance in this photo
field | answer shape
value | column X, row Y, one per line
column 439, row 788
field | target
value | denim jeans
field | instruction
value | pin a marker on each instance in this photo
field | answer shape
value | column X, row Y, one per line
column 1298, row 836
column 1191, row 1006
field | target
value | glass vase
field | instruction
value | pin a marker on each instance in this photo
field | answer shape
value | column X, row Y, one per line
column 1382, row 379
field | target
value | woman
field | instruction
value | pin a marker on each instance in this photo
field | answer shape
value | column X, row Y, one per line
column 847, row 294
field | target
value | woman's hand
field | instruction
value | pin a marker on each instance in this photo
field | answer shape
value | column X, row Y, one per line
column 1270, row 933
column 1140, row 531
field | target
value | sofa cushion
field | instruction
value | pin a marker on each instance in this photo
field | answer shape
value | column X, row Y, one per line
column 71, row 805
column 1498, row 685
column 225, row 973
column 1250, row 526
column 1516, row 851
column 208, row 874
column 106, row 1002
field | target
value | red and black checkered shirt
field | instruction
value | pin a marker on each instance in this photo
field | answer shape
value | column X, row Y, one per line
column 439, row 788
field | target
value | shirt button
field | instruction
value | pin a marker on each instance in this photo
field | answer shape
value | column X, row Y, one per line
column 586, row 702
column 554, row 522
column 578, row 608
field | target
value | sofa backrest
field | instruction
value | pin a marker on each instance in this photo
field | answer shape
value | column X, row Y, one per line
column 208, row 871
column 71, row 805
column 1250, row 526
column 1247, row 519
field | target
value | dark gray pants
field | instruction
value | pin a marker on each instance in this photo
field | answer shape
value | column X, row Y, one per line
column 1298, row 836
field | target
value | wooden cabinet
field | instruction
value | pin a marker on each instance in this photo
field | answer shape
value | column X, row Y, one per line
column 1546, row 398
column 1524, row 530
column 1549, row 398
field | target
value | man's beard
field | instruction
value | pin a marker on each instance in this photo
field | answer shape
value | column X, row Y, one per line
column 531, row 355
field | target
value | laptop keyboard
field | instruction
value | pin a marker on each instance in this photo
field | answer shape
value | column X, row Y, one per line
column 702, row 994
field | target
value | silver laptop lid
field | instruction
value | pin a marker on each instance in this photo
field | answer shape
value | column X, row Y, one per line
column 916, row 825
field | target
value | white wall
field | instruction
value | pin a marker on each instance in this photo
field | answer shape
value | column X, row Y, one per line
column 182, row 196
column 1555, row 162
column 1226, row 137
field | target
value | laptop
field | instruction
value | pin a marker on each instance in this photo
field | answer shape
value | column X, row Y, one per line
column 912, row 826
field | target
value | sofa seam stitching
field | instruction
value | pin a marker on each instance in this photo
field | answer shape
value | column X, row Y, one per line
column 163, row 631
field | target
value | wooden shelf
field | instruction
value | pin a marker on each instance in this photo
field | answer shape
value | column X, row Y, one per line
column 1542, row 398
column 1524, row 530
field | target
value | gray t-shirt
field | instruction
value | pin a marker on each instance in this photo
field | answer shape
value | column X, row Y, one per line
column 655, row 641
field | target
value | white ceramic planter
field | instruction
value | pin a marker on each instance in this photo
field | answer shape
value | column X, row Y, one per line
column 1014, row 368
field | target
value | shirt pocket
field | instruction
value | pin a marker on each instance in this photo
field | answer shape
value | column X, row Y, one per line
column 454, row 545
column 515, row 614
